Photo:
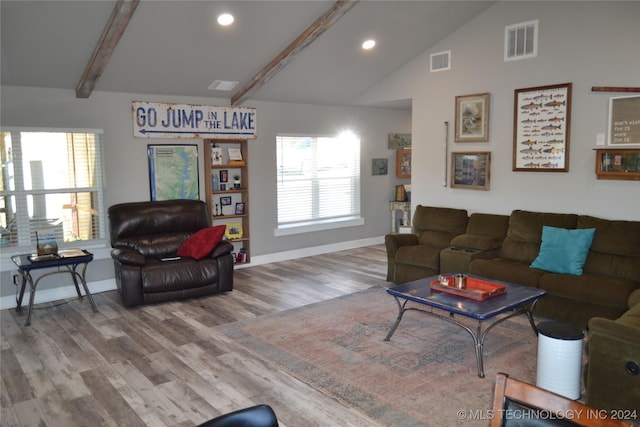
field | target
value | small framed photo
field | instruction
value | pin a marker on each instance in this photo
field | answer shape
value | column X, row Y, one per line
column 224, row 175
column 403, row 163
column 225, row 200
column 379, row 166
column 471, row 170
column 239, row 208
column 223, row 187
column 624, row 121
column 472, row 118
column 233, row 230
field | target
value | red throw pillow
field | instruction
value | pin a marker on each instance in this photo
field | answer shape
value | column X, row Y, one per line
column 201, row 243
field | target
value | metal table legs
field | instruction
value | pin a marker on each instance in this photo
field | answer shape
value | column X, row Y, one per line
column 71, row 269
column 478, row 335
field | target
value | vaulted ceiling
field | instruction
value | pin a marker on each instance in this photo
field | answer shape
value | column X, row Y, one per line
column 175, row 47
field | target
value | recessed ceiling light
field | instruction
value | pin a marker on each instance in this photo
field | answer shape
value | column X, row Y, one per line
column 225, row 19
column 369, row 44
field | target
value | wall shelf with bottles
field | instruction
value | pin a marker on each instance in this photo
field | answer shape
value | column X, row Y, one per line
column 227, row 191
column 618, row 163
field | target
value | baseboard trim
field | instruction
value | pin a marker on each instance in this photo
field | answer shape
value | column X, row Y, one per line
column 69, row 291
column 56, row 294
column 311, row 251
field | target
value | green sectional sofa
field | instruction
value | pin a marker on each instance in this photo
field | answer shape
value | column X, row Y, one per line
column 601, row 296
column 612, row 374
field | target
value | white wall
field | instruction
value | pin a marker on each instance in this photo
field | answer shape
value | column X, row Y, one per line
column 585, row 43
column 126, row 167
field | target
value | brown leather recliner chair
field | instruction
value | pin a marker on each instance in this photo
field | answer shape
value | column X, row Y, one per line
column 146, row 236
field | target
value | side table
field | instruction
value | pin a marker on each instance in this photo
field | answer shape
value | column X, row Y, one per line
column 405, row 207
column 67, row 261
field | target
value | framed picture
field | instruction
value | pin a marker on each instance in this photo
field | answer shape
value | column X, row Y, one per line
column 239, row 208
column 216, row 155
column 173, row 172
column 224, row 175
column 541, row 128
column 379, row 166
column 399, row 140
column 472, row 118
column 403, row 163
column 233, row 231
column 624, row 121
column 471, row 170
column 225, row 201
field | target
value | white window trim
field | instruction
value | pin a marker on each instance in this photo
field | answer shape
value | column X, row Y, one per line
column 329, row 224
column 102, row 241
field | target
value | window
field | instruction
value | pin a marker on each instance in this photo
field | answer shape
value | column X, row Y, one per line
column 318, row 183
column 51, row 183
column 521, row 41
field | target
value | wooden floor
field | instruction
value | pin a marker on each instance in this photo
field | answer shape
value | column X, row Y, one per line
column 166, row 364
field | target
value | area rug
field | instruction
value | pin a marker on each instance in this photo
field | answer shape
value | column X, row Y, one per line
column 426, row 375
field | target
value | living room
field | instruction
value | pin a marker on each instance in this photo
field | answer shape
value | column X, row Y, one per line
column 586, row 43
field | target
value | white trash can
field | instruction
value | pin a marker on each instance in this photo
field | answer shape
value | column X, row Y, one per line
column 559, row 358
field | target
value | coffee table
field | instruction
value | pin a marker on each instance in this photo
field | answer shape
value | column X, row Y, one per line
column 517, row 300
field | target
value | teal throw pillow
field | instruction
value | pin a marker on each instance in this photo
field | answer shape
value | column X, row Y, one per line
column 563, row 250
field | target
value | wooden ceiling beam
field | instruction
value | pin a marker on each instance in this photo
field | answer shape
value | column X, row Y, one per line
column 111, row 35
column 323, row 23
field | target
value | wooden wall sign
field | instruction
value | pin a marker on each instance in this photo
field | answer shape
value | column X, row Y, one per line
column 160, row 120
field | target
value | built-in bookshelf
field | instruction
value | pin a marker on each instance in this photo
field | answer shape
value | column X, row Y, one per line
column 227, row 191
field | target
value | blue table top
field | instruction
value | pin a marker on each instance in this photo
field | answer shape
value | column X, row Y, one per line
column 420, row 291
column 24, row 263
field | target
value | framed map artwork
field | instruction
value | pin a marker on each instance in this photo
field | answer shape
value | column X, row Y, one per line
column 173, row 172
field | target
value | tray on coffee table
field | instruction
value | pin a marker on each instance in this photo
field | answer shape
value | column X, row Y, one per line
column 475, row 288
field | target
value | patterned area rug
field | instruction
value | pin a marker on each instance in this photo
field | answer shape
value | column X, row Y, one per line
column 425, row 376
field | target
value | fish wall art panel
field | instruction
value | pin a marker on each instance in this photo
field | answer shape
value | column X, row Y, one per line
column 541, row 128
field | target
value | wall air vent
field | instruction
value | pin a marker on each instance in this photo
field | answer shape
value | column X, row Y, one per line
column 440, row 61
column 521, row 41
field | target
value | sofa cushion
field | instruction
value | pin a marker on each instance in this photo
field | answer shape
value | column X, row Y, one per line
column 563, row 250
column 476, row 241
column 178, row 275
column 437, row 226
column 525, row 233
column 590, row 288
column 615, row 250
column 202, row 242
column 159, row 245
column 507, row 270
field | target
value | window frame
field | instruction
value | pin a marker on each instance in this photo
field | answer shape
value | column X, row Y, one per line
column 319, row 224
column 25, row 235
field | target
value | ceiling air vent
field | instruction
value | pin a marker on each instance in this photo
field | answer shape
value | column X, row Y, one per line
column 222, row 85
column 521, row 41
column 441, row 61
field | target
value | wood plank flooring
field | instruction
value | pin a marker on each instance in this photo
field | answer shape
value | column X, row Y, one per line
column 166, row 364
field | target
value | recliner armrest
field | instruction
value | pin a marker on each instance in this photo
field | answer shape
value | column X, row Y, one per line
column 477, row 241
column 128, row 256
column 223, row 248
column 395, row 241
